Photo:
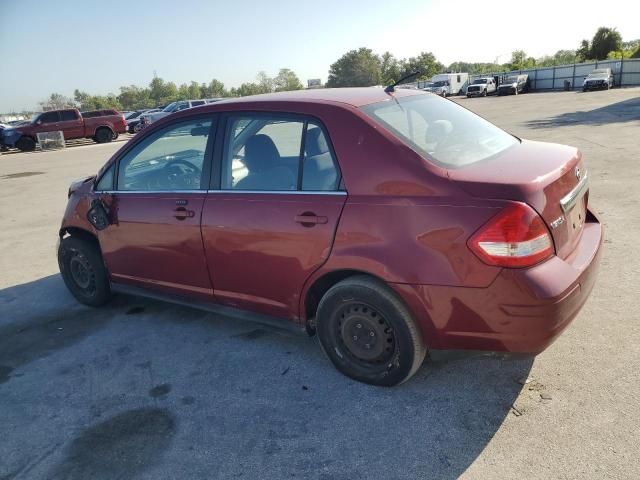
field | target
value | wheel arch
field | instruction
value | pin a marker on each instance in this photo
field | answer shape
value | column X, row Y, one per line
column 78, row 232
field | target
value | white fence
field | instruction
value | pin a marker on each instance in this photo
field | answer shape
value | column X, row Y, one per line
column 626, row 73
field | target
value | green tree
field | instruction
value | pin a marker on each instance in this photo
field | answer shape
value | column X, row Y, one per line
column 636, row 54
column 134, row 98
column 425, row 63
column 162, row 92
column 356, row 68
column 286, row 80
column 214, row 89
column 56, row 101
column 265, row 83
column 520, row 60
column 583, row 52
column 604, row 41
column 390, row 69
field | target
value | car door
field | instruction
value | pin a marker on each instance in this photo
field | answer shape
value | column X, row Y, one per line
column 47, row 122
column 71, row 124
column 155, row 205
column 270, row 218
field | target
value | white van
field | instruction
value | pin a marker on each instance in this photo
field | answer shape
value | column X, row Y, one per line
column 445, row 84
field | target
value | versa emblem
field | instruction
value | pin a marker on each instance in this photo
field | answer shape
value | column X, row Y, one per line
column 558, row 221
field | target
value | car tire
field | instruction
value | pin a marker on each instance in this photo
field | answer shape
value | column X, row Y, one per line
column 26, row 144
column 484, row 93
column 115, row 136
column 83, row 271
column 390, row 349
column 103, row 135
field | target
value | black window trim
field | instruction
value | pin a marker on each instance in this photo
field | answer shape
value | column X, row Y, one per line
column 215, row 186
column 206, row 163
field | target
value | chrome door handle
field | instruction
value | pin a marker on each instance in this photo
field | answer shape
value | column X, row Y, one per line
column 181, row 213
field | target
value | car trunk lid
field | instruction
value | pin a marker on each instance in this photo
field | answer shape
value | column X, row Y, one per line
column 551, row 178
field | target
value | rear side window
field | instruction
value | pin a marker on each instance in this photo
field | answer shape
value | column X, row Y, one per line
column 319, row 171
column 266, row 153
column 67, row 115
column 440, row 130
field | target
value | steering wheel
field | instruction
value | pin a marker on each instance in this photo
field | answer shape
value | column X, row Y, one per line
column 182, row 173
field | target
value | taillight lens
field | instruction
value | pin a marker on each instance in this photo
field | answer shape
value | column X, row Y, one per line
column 516, row 237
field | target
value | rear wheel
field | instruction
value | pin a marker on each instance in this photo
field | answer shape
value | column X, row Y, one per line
column 83, row 271
column 368, row 333
column 26, row 144
column 103, row 135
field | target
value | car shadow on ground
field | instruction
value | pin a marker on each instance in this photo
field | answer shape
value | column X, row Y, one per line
column 620, row 112
column 145, row 389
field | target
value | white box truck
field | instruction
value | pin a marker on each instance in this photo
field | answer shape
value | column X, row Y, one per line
column 445, row 84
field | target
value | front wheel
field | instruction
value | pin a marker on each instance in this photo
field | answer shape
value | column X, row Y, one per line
column 368, row 333
column 83, row 271
column 484, row 93
column 26, row 144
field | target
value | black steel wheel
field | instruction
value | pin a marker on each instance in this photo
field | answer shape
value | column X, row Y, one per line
column 368, row 333
column 83, row 271
column 103, row 135
column 26, row 144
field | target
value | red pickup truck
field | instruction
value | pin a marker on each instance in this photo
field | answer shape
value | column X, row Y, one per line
column 70, row 122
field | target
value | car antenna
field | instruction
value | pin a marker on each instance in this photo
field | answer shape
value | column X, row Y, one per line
column 392, row 88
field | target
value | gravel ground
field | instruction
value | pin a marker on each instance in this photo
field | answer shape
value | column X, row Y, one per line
column 143, row 389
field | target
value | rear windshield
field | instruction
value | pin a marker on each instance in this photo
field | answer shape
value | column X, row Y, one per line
column 440, row 130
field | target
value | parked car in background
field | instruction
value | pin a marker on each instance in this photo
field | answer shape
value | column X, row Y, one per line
column 133, row 120
column 101, row 128
column 599, row 79
column 446, row 84
column 481, row 87
column 147, row 119
column 471, row 238
column 514, row 84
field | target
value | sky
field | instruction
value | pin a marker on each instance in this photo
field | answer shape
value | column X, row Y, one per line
column 58, row 46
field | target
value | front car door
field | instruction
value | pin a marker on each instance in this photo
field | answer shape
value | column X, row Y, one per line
column 270, row 218
column 155, row 202
column 47, row 122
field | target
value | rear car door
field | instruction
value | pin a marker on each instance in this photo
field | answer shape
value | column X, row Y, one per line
column 71, row 124
column 155, row 202
column 270, row 218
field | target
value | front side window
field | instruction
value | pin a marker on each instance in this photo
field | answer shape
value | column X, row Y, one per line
column 171, row 159
column 49, row 117
column 106, row 181
column 440, row 130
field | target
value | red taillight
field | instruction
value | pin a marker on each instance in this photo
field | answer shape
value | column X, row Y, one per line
column 516, row 237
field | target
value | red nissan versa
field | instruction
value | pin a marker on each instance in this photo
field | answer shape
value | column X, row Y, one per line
column 387, row 222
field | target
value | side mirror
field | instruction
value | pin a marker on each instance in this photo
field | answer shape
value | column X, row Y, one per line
column 98, row 215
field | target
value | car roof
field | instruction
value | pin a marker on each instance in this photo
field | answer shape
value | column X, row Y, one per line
column 356, row 96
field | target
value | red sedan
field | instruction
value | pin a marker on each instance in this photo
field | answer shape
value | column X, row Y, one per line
column 388, row 223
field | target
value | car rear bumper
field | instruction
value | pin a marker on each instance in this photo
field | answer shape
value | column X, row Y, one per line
column 522, row 311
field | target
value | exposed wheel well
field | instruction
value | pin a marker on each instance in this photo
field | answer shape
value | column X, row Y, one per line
column 320, row 287
column 80, row 233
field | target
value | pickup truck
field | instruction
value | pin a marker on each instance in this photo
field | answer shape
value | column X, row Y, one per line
column 70, row 122
column 482, row 87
